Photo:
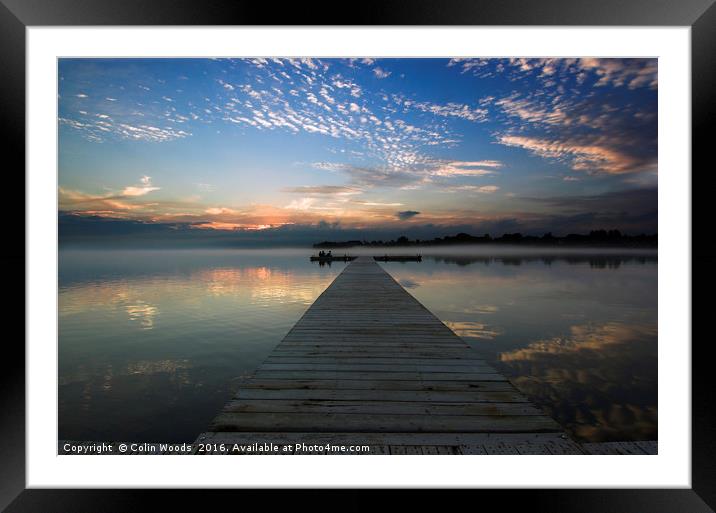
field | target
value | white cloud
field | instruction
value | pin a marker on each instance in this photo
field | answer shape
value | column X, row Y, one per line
column 302, row 204
column 380, row 73
column 377, row 204
column 145, row 188
column 456, row 110
column 479, row 163
column 462, row 168
column 138, row 191
column 217, row 211
column 482, row 189
column 531, row 111
column 338, row 190
column 226, row 85
column 98, row 131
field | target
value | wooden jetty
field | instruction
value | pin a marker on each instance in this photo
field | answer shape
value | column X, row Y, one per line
column 333, row 258
column 384, row 258
column 398, row 258
column 368, row 364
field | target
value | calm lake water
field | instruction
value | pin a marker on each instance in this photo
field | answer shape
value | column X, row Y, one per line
column 151, row 343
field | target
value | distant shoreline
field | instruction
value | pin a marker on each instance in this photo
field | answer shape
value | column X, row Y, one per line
column 595, row 239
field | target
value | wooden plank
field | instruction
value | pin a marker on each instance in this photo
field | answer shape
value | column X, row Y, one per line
column 357, row 384
column 375, row 360
column 270, row 421
column 367, row 367
column 629, row 448
column 329, row 336
column 362, row 345
column 527, row 448
column 381, row 395
column 564, row 446
column 471, row 449
column 406, row 449
column 500, row 448
column 369, row 351
column 407, row 376
column 377, row 333
column 441, row 449
column 377, row 406
column 649, row 447
column 632, row 448
column 385, row 439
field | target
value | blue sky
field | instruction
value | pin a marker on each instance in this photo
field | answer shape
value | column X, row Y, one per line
column 263, row 144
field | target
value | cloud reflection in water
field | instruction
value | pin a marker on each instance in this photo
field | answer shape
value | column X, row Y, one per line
column 594, row 380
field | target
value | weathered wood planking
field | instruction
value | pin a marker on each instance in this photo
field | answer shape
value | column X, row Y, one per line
column 637, row 448
column 368, row 361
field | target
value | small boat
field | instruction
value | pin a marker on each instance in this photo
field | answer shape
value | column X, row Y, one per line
column 332, row 258
column 398, row 258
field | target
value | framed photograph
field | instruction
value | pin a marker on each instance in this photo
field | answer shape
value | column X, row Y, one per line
column 457, row 239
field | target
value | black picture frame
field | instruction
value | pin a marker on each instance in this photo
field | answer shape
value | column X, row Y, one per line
column 700, row 15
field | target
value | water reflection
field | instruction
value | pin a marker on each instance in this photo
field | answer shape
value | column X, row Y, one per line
column 151, row 343
column 144, row 313
column 578, row 335
column 596, row 261
column 264, row 285
column 145, row 367
column 471, row 329
column 123, row 374
column 589, row 379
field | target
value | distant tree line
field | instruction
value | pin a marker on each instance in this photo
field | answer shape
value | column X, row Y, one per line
column 594, row 238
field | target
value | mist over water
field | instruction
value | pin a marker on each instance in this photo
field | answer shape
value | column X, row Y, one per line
column 494, row 251
column 151, row 342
